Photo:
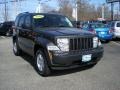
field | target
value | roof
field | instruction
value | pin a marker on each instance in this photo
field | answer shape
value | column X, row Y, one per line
column 40, row 13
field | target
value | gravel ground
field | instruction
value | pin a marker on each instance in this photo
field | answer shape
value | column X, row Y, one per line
column 17, row 73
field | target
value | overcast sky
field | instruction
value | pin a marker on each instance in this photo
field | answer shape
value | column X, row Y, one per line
column 30, row 6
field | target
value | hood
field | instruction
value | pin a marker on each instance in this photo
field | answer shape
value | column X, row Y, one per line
column 64, row 32
column 101, row 29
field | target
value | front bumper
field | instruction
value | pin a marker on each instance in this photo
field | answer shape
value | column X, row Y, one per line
column 74, row 59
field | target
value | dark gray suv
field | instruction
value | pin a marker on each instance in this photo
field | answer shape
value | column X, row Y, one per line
column 54, row 43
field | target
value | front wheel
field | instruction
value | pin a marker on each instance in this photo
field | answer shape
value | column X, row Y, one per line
column 41, row 64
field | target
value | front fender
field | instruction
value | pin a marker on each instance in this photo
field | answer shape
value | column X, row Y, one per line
column 42, row 42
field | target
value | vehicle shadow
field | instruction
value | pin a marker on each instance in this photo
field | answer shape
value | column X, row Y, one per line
column 104, row 43
column 54, row 73
column 27, row 58
column 69, row 71
column 116, row 39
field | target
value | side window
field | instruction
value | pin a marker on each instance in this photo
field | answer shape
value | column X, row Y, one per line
column 16, row 21
column 21, row 21
column 28, row 22
column 118, row 24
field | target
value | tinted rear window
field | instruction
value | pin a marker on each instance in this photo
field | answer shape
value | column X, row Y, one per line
column 99, row 26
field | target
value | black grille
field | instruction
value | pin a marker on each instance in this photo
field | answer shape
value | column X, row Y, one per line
column 81, row 43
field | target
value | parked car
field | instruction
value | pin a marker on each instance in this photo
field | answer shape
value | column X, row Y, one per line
column 89, row 27
column 116, row 27
column 103, row 31
column 6, row 28
column 54, row 43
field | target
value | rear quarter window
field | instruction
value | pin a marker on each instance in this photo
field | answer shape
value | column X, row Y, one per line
column 16, row 21
column 21, row 21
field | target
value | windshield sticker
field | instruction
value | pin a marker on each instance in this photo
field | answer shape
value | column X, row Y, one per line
column 38, row 16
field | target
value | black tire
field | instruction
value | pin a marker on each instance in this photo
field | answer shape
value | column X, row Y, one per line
column 16, row 49
column 42, row 69
column 105, row 41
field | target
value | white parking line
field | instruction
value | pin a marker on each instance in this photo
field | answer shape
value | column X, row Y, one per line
column 116, row 43
column 2, row 36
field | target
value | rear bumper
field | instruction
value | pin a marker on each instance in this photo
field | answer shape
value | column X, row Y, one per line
column 106, row 37
column 117, row 35
column 74, row 59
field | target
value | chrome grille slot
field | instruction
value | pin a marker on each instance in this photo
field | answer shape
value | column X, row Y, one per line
column 81, row 43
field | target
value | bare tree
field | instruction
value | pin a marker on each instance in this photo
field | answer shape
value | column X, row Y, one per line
column 4, row 10
column 86, row 11
column 46, row 8
column 65, row 7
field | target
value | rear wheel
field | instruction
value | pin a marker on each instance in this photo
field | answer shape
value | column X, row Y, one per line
column 7, row 33
column 16, row 49
column 41, row 64
column 105, row 41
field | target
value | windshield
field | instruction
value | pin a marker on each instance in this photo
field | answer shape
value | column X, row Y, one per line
column 51, row 21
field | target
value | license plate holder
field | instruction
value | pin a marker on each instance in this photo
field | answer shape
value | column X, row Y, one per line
column 102, row 32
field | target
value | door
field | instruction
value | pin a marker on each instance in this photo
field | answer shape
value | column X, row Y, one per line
column 28, row 35
column 20, row 32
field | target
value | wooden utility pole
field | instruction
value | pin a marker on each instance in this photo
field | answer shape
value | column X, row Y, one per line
column 40, row 3
column 5, row 10
column 119, row 6
column 112, row 12
column 16, row 6
column 103, row 11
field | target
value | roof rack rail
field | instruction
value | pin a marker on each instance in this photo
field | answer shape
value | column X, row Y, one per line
column 25, row 12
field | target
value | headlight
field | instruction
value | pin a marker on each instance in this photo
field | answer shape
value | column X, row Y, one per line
column 95, row 42
column 99, row 43
column 63, row 44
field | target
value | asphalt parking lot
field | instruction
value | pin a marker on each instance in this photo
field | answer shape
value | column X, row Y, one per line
column 17, row 73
